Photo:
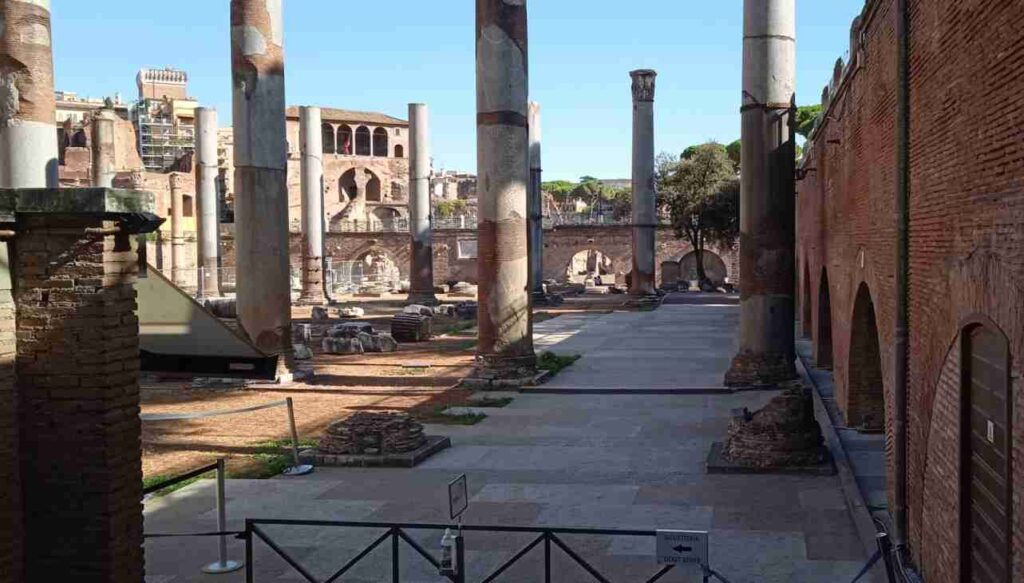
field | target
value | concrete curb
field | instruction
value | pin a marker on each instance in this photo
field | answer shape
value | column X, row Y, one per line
column 855, row 502
column 547, row 390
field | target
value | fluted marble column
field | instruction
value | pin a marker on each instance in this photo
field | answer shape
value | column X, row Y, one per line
column 767, row 199
column 312, row 161
column 535, row 208
column 28, row 136
column 262, row 276
column 421, row 259
column 505, row 348
column 645, row 210
column 207, row 169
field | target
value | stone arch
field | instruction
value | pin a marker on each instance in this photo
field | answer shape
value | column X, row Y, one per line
column 346, row 140
column 373, row 192
column 805, row 304
column 586, row 263
column 380, row 143
column 387, row 216
column 865, row 394
column 823, row 339
column 375, row 265
column 347, row 189
column 363, row 147
column 399, row 151
column 329, row 139
column 714, row 267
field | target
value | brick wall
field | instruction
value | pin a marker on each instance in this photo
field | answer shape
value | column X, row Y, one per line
column 967, row 229
column 77, row 363
column 10, row 483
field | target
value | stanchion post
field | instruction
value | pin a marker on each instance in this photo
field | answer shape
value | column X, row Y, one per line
column 460, row 557
column 223, row 565
column 298, row 469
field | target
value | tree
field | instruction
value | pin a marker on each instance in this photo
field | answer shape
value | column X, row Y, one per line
column 805, row 118
column 591, row 191
column 733, row 150
column 703, row 196
column 558, row 189
column 450, row 208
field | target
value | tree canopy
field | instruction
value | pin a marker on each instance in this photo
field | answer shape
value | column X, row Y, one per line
column 805, row 117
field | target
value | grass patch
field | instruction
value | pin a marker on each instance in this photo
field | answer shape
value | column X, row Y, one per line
column 461, row 328
column 436, row 416
column 489, row 402
column 555, row 363
column 153, row 480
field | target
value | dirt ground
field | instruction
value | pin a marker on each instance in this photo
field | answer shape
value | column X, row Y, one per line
column 419, row 378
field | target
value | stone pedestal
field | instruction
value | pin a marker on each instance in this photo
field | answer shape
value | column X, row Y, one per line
column 77, row 380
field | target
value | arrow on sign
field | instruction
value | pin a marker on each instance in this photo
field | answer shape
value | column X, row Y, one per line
column 681, row 549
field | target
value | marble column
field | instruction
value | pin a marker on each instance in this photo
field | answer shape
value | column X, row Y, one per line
column 207, row 169
column 28, row 134
column 535, row 208
column 767, row 198
column 505, row 348
column 311, row 140
column 104, row 160
column 421, row 259
column 645, row 206
column 262, row 275
column 178, row 273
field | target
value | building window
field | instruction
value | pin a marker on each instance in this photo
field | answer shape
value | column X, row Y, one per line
column 399, row 152
column 467, row 249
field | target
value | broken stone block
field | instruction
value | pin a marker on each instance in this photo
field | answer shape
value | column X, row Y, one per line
column 379, row 342
column 302, row 352
column 466, row 310
column 303, row 333
column 464, row 289
column 404, row 287
column 418, row 309
column 351, row 312
column 319, row 314
column 441, row 289
column 350, row 330
column 407, row 327
column 447, row 310
column 222, row 307
column 341, row 345
column 782, row 434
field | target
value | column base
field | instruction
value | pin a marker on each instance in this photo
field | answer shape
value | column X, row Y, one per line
column 311, row 300
column 502, row 372
column 754, row 369
column 423, row 299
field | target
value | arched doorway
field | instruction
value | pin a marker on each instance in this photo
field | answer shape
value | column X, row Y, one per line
column 375, row 268
column 805, row 309
column 714, row 267
column 865, row 395
column 387, row 216
column 823, row 341
column 399, row 151
column 380, row 143
column 373, row 188
column 327, row 134
column 363, row 141
column 345, row 140
column 986, row 438
column 347, row 189
column 588, row 264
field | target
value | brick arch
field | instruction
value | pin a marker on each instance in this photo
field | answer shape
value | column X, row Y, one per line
column 865, row 394
column 561, row 245
column 823, row 333
column 806, row 304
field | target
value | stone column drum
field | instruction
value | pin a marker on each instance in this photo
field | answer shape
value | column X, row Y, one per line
column 104, row 161
column 261, row 173
column 178, row 272
column 767, row 199
column 312, row 160
column 505, row 347
column 28, row 136
column 645, row 211
column 421, row 268
column 206, row 197
column 535, row 208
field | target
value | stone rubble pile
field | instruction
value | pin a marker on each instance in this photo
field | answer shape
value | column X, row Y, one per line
column 356, row 338
column 782, row 434
column 368, row 433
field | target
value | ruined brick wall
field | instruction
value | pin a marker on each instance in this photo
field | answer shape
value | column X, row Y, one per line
column 967, row 220
column 11, row 532
column 77, row 382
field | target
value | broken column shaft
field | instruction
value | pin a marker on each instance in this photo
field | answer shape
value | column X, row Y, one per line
column 421, row 259
column 312, row 148
column 207, row 168
column 28, row 136
column 178, row 273
column 104, row 161
column 767, row 199
column 535, row 208
column 261, row 172
column 505, row 347
column 645, row 210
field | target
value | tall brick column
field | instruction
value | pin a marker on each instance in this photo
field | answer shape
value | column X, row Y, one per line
column 505, row 349
column 767, row 197
column 77, row 381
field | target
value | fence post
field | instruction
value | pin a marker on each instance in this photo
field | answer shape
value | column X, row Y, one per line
column 547, row 558
column 249, row 570
column 395, row 572
column 223, row 565
column 460, row 557
column 298, row 468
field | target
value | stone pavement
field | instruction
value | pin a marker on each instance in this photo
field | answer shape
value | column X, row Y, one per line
column 569, row 460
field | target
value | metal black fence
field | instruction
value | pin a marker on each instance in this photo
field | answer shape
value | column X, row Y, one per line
column 397, row 533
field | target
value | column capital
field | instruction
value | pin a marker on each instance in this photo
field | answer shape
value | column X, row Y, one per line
column 643, row 84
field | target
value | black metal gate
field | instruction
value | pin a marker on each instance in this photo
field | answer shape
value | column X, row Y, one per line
column 396, row 534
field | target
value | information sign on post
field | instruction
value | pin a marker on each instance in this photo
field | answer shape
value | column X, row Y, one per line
column 458, row 497
column 683, row 547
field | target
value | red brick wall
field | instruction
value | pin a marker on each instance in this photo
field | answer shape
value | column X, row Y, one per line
column 78, row 386
column 967, row 228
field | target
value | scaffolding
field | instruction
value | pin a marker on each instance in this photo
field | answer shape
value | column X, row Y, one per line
column 162, row 137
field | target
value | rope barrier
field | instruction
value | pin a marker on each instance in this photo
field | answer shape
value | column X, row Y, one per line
column 204, row 414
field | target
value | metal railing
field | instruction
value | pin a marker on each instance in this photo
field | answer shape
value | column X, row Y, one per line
column 352, row 277
column 470, row 222
column 397, row 533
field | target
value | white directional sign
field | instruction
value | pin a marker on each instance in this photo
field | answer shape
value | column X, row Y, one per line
column 682, row 547
column 458, row 496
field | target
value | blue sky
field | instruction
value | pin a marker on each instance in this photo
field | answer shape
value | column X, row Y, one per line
column 380, row 55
